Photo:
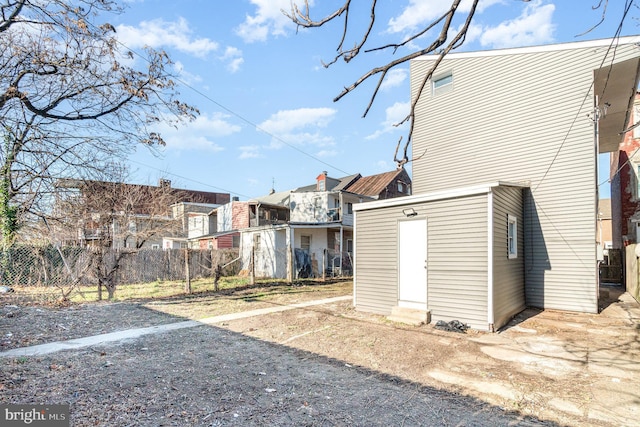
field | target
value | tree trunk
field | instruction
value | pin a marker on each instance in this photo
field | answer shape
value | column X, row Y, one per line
column 111, row 289
column 218, row 273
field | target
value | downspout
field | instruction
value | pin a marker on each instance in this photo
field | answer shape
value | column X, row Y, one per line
column 490, row 313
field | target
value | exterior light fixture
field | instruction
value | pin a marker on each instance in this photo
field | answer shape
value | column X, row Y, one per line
column 410, row 212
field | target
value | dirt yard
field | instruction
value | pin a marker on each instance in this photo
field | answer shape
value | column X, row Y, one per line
column 321, row 365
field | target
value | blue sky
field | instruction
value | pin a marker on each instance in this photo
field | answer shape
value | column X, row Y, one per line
column 266, row 102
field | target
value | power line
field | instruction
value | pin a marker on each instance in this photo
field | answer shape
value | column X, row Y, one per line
column 190, row 179
column 241, row 117
column 614, row 41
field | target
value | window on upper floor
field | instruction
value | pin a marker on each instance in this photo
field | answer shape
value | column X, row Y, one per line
column 349, row 208
column 442, row 83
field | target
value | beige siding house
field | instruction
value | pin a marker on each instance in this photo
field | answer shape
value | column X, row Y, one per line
column 535, row 116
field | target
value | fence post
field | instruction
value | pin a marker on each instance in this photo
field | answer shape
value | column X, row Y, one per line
column 187, row 271
column 324, row 265
column 252, row 270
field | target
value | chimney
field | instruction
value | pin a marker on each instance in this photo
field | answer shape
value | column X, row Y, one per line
column 164, row 183
column 321, row 180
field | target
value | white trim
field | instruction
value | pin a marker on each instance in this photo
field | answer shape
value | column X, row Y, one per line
column 437, row 195
column 490, row 314
column 536, row 49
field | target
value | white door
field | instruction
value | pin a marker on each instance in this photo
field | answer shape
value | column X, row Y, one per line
column 412, row 264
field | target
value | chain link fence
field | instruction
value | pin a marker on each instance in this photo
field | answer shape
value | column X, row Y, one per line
column 50, row 266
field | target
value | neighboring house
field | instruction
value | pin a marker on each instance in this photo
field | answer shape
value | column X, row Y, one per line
column 604, row 233
column 129, row 215
column 386, row 185
column 235, row 216
column 313, row 233
column 625, row 185
column 503, row 212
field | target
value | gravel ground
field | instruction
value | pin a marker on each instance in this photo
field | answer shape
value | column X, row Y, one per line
column 322, row 365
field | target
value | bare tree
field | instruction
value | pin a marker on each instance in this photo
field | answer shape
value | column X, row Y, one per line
column 72, row 99
column 439, row 36
column 114, row 220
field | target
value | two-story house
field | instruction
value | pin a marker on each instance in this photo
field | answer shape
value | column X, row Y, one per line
column 313, row 231
column 504, row 207
column 123, row 215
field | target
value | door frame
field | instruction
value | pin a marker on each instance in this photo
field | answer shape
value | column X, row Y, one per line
column 421, row 270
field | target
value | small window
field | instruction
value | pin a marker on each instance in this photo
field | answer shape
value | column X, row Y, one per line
column 442, row 83
column 512, row 237
column 400, row 187
column 235, row 241
column 256, row 241
column 321, row 185
column 155, row 246
column 350, row 246
column 350, row 208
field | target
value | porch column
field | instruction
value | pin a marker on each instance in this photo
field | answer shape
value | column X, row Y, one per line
column 290, row 254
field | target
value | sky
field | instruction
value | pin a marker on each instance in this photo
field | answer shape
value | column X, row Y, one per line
column 268, row 119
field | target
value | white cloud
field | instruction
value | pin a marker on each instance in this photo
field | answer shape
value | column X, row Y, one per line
column 233, row 57
column 394, row 78
column 533, row 26
column 185, row 75
column 199, row 134
column 268, row 20
column 299, row 127
column 161, row 33
column 326, row 153
column 420, row 12
column 394, row 115
column 288, row 121
column 249, row 151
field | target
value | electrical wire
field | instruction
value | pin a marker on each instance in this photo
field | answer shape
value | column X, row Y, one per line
column 614, row 41
column 240, row 116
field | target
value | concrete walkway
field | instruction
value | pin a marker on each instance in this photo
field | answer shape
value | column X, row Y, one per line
column 77, row 343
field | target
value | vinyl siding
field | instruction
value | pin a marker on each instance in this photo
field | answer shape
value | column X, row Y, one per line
column 523, row 117
column 456, row 258
column 508, row 274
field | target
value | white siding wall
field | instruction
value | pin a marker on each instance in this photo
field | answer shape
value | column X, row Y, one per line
column 515, row 118
column 508, row 274
column 270, row 259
